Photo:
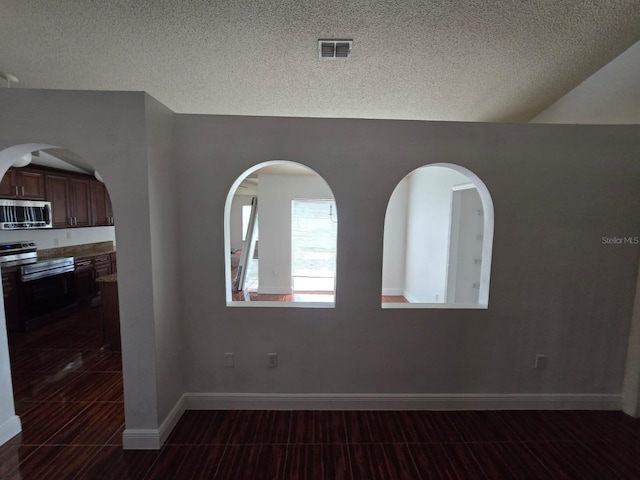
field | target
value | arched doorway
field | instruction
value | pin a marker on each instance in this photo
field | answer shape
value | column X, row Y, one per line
column 65, row 363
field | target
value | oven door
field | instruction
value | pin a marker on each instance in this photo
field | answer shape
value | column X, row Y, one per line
column 45, row 299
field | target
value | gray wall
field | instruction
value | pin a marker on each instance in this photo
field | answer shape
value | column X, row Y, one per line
column 610, row 96
column 555, row 288
column 165, row 230
column 108, row 130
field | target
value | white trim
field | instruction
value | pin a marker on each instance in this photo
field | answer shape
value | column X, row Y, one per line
column 410, row 298
column 252, row 303
column 171, row 420
column 141, row 439
column 275, row 291
column 392, row 292
column 450, row 306
column 9, row 429
column 433, row 401
column 464, row 186
column 153, row 438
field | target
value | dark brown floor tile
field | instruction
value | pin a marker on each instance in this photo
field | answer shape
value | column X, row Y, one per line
column 113, row 463
column 479, row 426
column 603, row 426
column 252, row 462
column 46, row 360
column 109, row 362
column 327, row 427
column 382, row 462
column 623, row 458
column 94, row 426
column 261, row 426
column 41, row 387
column 536, row 425
column 193, row 462
column 92, row 386
column 46, row 419
column 373, row 427
column 570, row 460
column 12, row 454
column 203, row 427
column 318, row 462
column 511, row 460
column 445, row 461
column 59, row 463
column 427, row 426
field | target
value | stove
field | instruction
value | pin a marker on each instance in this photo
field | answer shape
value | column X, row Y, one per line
column 45, row 287
column 25, row 255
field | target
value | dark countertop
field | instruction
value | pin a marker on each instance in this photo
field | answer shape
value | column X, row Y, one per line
column 78, row 252
column 113, row 278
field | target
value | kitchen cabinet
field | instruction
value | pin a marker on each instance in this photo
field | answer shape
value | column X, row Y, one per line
column 10, row 294
column 114, row 263
column 101, row 204
column 70, row 199
column 87, row 272
column 111, row 312
column 85, row 281
column 24, row 184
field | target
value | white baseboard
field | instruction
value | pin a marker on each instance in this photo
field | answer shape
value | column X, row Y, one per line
column 410, row 298
column 152, row 438
column 392, row 292
column 9, row 429
column 275, row 401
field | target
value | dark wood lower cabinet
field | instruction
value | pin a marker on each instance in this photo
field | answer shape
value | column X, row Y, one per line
column 85, row 282
column 88, row 271
column 111, row 313
column 10, row 294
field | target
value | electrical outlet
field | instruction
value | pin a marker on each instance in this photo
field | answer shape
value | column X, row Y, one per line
column 68, row 235
column 228, row 360
column 273, row 360
column 541, row 362
column 55, row 242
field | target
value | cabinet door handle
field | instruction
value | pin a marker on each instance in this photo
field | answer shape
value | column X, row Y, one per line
column 17, row 190
column 22, row 190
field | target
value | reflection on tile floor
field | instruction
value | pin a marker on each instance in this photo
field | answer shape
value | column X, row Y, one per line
column 69, row 397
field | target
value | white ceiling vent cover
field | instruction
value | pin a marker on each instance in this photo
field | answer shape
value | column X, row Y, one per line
column 332, row 49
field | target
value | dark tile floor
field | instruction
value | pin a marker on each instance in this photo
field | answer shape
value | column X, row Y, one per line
column 69, row 396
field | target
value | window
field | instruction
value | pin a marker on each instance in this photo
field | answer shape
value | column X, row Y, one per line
column 437, row 240
column 314, row 229
column 246, row 214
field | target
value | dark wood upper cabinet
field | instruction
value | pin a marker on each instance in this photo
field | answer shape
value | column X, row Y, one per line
column 24, row 184
column 58, row 193
column 77, row 200
column 70, row 199
column 80, row 199
column 8, row 184
column 101, row 204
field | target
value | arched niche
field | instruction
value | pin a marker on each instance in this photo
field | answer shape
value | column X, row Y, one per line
column 438, row 240
column 285, row 191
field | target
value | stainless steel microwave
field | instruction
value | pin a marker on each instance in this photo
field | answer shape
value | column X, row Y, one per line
column 24, row 214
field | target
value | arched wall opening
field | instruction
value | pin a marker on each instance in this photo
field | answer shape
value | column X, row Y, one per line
column 280, row 224
column 55, row 303
column 438, row 240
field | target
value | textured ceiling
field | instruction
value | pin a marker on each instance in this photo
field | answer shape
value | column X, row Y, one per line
column 474, row 60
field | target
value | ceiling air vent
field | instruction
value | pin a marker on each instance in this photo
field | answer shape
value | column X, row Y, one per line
column 334, row 48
